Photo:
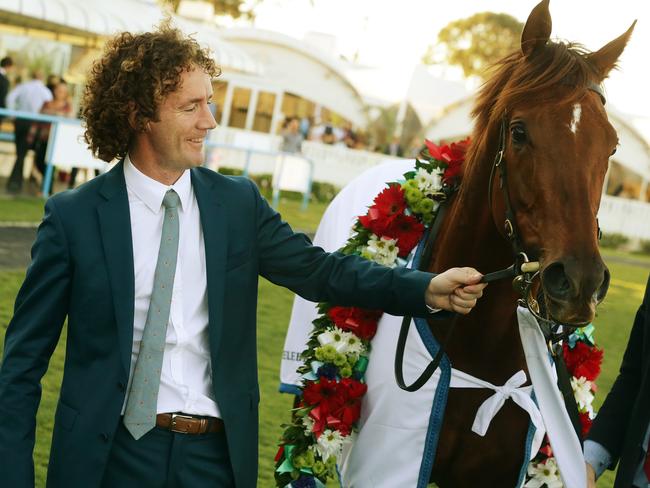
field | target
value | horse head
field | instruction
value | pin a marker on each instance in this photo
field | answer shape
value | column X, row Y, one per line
column 544, row 106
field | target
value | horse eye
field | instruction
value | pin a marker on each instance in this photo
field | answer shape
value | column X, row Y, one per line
column 518, row 134
column 613, row 152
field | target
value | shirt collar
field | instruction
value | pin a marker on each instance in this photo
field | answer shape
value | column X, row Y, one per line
column 152, row 192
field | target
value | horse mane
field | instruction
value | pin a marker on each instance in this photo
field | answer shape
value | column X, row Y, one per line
column 516, row 80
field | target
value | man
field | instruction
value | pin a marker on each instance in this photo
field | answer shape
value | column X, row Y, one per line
column 6, row 65
column 28, row 96
column 156, row 264
column 621, row 432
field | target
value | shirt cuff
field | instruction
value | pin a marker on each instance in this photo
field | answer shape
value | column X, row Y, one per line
column 597, row 456
column 433, row 310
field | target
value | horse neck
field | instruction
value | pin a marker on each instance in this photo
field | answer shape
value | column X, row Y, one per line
column 469, row 237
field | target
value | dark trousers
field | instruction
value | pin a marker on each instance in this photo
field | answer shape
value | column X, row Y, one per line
column 21, row 131
column 164, row 459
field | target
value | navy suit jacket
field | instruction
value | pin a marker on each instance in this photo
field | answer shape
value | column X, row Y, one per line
column 82, row 269
column 622, row 421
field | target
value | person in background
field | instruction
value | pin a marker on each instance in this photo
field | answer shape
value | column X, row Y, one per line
column 29, row 96
column 6, row 65
column 620, row 433
column 60, row 106
column 291, row 136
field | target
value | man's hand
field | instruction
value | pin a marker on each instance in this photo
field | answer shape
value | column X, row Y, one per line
column 456, row 290
column 591, row 476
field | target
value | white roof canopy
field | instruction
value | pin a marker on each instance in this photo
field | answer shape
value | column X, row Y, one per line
column 107, row 17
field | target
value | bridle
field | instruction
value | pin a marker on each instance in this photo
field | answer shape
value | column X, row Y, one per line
column 523, row 272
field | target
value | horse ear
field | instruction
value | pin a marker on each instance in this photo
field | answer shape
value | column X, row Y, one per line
column 537, row 30
column 604, row 60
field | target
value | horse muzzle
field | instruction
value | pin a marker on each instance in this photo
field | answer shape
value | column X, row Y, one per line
column 573, row 288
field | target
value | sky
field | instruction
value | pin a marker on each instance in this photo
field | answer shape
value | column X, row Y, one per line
column 394, row 34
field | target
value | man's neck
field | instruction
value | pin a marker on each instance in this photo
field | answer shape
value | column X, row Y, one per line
column 155, row 171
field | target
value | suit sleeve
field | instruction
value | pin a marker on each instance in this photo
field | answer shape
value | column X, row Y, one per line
column 33, row 332
column 289, row 259
column 611, row 423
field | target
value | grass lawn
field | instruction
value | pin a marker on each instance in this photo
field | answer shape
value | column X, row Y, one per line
column 30, row 209
column 612, row 329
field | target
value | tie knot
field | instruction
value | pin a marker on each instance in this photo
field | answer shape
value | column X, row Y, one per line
column 171, row 199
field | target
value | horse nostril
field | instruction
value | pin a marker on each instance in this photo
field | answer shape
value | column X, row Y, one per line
column 555, row 280
column 604, row 286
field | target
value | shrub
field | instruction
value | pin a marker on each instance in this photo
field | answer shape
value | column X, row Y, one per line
column 613, row 241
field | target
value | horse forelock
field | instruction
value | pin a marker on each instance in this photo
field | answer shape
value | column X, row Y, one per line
column 518, row 81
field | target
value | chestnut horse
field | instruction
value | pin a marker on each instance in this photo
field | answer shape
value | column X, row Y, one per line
column 556, row 143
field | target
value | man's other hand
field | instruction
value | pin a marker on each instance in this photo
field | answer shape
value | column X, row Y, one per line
column 455, row 290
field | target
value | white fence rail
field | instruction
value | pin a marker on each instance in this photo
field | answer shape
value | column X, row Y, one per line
column 332, row 164
column 628, row 217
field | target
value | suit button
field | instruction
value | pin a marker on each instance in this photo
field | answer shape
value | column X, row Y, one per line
column 104, row 436
column 121, row 386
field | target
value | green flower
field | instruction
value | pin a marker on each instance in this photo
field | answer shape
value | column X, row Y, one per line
column 425, row 206
column 326, row 353
column 340, row 359
column 413, row 196
column 345, row 371
column 319, row 468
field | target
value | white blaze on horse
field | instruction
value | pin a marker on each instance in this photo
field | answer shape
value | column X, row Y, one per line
column 540, row 115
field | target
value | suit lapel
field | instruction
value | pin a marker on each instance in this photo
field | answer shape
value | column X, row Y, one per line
column 115, row 228
column 214, row 224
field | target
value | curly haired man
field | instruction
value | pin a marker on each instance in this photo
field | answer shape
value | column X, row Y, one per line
column 155, row 265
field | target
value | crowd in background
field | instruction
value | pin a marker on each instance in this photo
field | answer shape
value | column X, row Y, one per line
column 34, row 96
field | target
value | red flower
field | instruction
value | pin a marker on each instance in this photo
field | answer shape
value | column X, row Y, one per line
column 389, row 204
column 408, row 232
column 345, row 416
column 323, row 394
column 452, row 155
column 391, row 200
column 583, row 360
column 585, row 422
column 361, row 322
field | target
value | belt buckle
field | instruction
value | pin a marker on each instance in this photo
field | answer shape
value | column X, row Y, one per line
column 172, row 426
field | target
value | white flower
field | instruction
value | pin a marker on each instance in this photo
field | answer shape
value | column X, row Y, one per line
column 355, row 346
column 381, row 250
column 428, row 183
column 308, row 424
column 544, row 473
column 582, row 393
column 344, row 342
column 329, row 444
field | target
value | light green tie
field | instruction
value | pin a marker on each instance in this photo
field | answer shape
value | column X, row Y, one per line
column 140, row 414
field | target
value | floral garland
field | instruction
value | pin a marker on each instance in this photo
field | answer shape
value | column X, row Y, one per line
column 337, row 351
column 583, row 360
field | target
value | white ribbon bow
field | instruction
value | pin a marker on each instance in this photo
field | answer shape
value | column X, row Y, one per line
column 514, row 390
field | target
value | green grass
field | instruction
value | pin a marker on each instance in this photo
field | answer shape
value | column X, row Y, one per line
column 30, row 209
column 21, row 209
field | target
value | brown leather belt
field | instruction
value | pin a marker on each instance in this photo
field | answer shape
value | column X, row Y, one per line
column 189, row 424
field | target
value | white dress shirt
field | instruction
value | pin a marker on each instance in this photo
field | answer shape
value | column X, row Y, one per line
column 186, row 378
column 29, row 96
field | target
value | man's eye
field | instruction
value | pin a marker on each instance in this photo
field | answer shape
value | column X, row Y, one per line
column 191, row 108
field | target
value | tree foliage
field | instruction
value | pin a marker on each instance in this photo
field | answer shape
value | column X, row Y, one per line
column 476, row 42
column 230, row 8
